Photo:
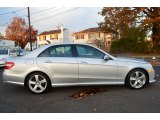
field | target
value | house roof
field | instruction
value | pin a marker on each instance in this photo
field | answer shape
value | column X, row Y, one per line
column 51, row 32
column 96, row 29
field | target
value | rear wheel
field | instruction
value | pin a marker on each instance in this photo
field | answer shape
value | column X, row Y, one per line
column 136, row 79
column 38, row 83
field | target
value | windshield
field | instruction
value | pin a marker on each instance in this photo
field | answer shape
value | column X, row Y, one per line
column 3, row 52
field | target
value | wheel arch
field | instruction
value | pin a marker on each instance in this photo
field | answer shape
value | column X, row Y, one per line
column 140, row 69
column 25, row 80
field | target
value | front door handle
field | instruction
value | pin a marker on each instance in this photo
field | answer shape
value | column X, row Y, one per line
column 83, row 62
column 48, row 61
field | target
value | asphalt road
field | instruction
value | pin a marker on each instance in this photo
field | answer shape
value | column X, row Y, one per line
column 115, row 99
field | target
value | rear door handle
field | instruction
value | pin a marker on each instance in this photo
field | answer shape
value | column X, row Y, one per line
column 83, row 62
column 48, row 61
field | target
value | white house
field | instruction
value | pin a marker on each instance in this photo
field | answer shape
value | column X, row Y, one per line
column 93, row 36
column 54, row 36
column 28, row 47
column 7, row 44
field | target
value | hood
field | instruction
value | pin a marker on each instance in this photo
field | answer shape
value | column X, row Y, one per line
column 131, row 59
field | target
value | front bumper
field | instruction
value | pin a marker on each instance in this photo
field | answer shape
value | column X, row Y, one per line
column 151, row 73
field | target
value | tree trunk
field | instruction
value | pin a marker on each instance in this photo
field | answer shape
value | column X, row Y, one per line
column 155, row 36
column 156, row 28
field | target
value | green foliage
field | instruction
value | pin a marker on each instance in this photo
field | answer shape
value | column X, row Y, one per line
column 119, row 19
column 131, row 41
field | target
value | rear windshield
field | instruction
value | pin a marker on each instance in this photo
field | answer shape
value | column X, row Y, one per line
column 3, row 52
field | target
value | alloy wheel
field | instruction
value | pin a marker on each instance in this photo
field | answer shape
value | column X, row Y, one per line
column 37, row 83
column 137, row 79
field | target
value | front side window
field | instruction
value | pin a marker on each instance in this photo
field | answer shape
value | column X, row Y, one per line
column 89, row 52
column 57, row 51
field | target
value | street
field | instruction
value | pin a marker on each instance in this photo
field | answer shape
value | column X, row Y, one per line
column 115, row 99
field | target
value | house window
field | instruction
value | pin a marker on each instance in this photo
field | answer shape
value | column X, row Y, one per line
column 77, row 37
column 44, row 37
column 52, row 37
column 80, row 36
column 94, row 35
column 56, row 36
column 40, row 38
column 99, row 35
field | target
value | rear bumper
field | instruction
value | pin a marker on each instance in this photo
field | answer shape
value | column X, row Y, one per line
column 13, row 79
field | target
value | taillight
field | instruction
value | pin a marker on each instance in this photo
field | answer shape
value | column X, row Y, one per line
column 9, row 65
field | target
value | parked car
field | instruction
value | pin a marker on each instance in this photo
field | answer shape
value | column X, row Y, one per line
column 18, row 52
column 4, row 54
column 75, row 65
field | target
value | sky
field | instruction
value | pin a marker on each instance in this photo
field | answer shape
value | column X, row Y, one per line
column 48, row 18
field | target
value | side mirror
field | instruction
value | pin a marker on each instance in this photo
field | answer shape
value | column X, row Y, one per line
column 106, row 57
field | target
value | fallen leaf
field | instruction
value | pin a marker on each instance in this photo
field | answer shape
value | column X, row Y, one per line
column 87, row 92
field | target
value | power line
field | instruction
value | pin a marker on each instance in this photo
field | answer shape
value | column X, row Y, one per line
column 55, row 15
column 38, row 12
column 12, row 11
column 52, row 12
column 42, row 11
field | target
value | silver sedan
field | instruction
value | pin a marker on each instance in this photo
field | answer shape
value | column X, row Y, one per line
column 75, row 65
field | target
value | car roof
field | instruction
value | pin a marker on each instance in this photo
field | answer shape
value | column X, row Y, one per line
column 36, row 52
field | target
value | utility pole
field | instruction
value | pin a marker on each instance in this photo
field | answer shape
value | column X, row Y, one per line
column 30, row 38
column 62, row 36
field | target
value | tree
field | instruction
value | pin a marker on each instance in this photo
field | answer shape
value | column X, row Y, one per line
column 123, row 18
column 18, row 31
column 133, row 41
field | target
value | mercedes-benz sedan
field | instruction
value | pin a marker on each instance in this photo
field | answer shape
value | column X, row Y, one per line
column 75, row 65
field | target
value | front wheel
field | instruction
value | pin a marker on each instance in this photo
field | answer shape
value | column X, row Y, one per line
column 136, row 79
column 38, row 83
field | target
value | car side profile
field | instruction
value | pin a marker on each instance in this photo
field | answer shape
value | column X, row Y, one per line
column 71, row 64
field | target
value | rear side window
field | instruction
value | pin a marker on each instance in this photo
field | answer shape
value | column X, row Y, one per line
column 57, row 51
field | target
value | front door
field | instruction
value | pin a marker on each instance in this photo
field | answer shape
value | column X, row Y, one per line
column 92, row 66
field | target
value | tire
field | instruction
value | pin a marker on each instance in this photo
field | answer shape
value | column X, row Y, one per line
column 38, row 83
column 136, row 79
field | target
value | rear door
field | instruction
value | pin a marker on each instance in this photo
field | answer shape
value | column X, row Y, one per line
column 60, row 62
